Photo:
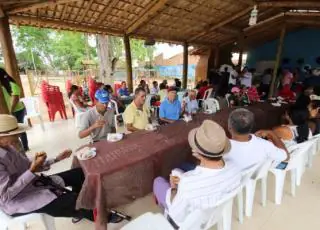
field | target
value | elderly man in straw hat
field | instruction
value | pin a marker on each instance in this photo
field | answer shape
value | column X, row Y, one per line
column 208, row 183
column 22, row 191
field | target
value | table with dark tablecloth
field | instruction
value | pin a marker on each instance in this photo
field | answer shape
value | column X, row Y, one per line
column 125, row 170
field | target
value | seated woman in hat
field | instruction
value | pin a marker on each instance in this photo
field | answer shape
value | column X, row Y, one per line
column 197, row 189
column 23, row 192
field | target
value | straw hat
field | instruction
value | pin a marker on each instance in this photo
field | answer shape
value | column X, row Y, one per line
column 209, row 140
column 9, row 126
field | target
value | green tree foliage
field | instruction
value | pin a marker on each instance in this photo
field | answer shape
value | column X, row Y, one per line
column 63, row 50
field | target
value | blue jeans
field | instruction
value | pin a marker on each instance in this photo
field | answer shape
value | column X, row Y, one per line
column 23, row 136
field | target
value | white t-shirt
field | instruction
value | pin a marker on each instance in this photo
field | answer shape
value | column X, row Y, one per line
column 154, row 91
column 233, row 81
column 253, row 152
column 202, row 188
column 247, row 79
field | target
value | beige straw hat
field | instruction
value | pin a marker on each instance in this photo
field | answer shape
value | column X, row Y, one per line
column 209, row 140
column 9, row 126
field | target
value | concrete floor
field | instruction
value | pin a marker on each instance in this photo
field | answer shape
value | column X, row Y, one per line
column 295, row 213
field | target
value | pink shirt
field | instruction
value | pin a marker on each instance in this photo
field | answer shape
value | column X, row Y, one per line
column 287, row 79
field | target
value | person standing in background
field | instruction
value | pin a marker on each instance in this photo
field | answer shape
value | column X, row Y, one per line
column 11, row 92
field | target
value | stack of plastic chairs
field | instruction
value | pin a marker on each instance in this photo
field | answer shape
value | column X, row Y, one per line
column 117, row 86
column 68, row 85
column 53, row 98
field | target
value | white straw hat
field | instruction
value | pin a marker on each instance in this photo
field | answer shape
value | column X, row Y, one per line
column 9, row 126
column 209, row 140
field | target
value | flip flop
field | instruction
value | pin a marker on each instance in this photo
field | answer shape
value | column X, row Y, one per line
column 115, row 219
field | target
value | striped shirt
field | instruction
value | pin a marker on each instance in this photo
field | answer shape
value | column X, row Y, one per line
column 202, row 188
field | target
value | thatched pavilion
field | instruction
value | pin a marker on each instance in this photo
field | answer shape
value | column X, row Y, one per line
column 206, row 24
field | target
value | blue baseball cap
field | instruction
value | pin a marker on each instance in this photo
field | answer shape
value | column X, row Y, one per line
column 102, row 96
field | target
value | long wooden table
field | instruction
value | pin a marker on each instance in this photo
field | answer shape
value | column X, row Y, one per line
column 124, row 171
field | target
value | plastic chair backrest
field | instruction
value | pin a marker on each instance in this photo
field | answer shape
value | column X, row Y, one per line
column 262, row 171
column 227, row 98
column 207, row 94
column 32, row 105
column 247, row 174
column 180, row 95
column 4, row 218
column 75, row 108
column 148, row 100
column 212, row 104
column 115, row 106
column 206, row 218
column 298, row 153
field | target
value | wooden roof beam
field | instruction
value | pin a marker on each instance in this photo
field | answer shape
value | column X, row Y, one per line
column 311, row 22
column 106, row 11
column 213, row 27
column 303, row 14
column 64, row 12
column 229, row 30
column 146, row 14
column 40, row 4
column 265, row 22
column 290, row 4
column 60, row 24
column 84, row 13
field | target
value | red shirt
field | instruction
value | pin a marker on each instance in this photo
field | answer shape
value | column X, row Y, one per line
column 253, row 94
column 201, row 91
column 286, row 93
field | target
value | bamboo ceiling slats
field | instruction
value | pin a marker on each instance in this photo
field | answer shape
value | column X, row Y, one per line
column 197, row 22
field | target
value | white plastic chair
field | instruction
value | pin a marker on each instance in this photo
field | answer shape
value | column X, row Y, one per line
column 314, row 149
column 227, row 98
column 32, row 106
column 206, row 95
column 260, row 174
column 246, row 176
column 117, row 114
column 211, row 104
column 295, row 165
column 180, row 95
column 22, row 221
column 149, row 221
column 77, row 114
column 220, row 215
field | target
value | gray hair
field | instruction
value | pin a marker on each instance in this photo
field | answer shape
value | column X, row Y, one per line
column 241, row 121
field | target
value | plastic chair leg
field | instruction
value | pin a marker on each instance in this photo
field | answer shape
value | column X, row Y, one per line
column 299, row 172
column 227, row 215
column 280, row 177
column 264, row 191
column 293, row 182
column 240, row 206
column 48, row 222
column 250, row 191
column 41, row 123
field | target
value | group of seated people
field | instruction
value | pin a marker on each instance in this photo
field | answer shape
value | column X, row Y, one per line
column 220, row 160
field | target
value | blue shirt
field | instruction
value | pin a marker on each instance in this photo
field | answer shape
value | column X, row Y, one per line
column 191, row 106
column 170, row 110
column 123, row 92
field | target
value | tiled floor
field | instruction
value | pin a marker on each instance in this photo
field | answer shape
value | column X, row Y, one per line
column 295, row 213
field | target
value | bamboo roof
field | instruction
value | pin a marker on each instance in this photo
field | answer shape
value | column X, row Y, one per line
column 197, row 22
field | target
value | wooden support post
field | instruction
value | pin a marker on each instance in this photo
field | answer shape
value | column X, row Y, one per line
column 278, row 58
column 185, row 66
column 216, row 57
column 126, row 42
column 9, row 55
column 3, row 105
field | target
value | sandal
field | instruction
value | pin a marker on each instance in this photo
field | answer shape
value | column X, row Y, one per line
column 75, row 220
column 114, row 218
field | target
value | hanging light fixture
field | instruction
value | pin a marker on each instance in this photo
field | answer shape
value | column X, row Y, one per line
column 253, row 16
